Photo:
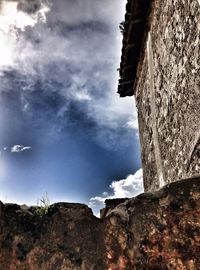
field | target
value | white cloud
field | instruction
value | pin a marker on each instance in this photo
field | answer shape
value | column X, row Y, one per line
column 19, row 148
column 125, row 188
column 84, row 59
column 128, row 187
column 83, row 96
column 11, row 17
column 132, row 123
column 12, row 21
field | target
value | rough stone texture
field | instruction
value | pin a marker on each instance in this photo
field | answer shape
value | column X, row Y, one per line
column 158, row 231
column 168, row 93
column 68, row 237
column 110, row 204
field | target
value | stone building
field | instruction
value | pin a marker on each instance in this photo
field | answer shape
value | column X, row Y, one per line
column 157, row 230
column 160, row 66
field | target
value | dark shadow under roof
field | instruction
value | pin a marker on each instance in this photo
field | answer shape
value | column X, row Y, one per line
column 134, row 30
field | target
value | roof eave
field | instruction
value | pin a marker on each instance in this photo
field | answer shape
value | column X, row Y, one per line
column 134, row 35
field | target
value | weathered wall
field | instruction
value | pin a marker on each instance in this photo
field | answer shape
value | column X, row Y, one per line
column 158, row 231
column 68, row 237
column 168, row 93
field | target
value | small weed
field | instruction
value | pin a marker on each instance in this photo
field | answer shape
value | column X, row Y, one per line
column 43, row 206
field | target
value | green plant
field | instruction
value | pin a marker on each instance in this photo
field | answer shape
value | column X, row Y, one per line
column 43, row 206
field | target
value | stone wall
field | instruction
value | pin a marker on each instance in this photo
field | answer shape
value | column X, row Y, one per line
column 158, row 231
column 168, row 93
column 68, row 237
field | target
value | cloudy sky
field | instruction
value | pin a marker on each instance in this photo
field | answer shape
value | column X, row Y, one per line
column 63, row 128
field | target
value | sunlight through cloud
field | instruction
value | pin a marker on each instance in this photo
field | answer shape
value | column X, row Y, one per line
column 13, row 20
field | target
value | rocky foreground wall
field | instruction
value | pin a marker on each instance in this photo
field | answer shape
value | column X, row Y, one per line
column 159, row 230
column 67, row 237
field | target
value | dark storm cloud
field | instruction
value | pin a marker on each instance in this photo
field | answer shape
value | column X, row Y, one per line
column 58, row 96
column 30, row 7
column 66, row 73
column 38, row 111
column 74, row 12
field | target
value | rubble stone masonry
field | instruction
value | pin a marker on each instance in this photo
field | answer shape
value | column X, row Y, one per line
column 159, row 229
column 155, row 230
column 168, row 93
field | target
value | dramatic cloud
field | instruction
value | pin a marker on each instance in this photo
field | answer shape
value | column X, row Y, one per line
column 15, row 17
column 126, row 188
column 20, row 14
column 39, row 7
column 58, row 73
column 19, row 148
column 75, row 54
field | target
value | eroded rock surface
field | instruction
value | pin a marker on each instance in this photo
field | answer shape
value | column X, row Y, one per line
column 158, row 231
column 68, row 237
